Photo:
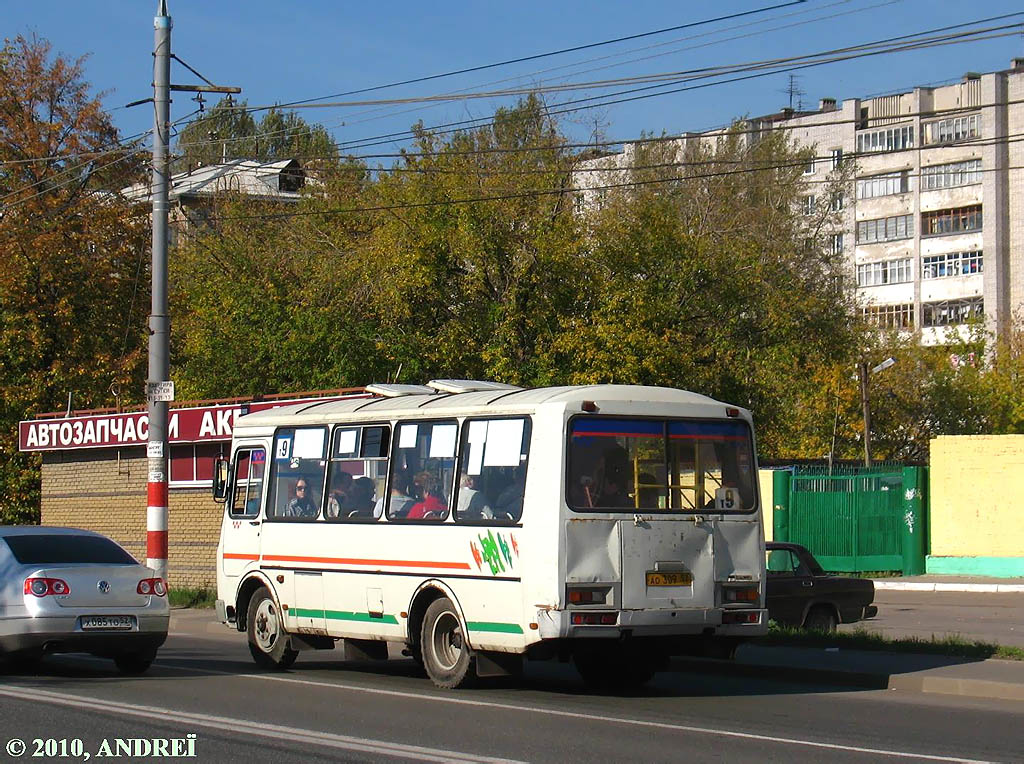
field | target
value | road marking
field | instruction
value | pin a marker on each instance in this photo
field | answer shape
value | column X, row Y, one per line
column 290, row 735
column 585, row 716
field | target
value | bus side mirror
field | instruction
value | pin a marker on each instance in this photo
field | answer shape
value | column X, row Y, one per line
column 220, row 479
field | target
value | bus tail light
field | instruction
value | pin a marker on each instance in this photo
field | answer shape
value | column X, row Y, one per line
column 741, row 616
column 43, row 587
column 587, row 595
column 741, row 594
column 594, row 619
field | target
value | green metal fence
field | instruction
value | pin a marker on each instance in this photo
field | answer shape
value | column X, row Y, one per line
column 852, row 522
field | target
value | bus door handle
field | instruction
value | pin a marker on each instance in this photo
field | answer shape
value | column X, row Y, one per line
column 254, row 522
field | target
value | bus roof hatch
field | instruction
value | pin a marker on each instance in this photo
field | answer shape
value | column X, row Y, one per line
column 455, row 386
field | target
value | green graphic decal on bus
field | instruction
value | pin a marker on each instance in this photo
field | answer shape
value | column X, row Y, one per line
column 340, row 615
column 495, row 551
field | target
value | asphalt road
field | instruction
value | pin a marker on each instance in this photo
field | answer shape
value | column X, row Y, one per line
column 983, row 617
column 204, row 683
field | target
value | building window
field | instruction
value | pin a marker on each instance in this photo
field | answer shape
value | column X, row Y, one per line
column 951, row 129
column 885, row 272
column 808, row 204
column 883, row 185
column 885, row 229
column 951, row 175
column 837, row 158
column 192, row 463
column 939, row 222
column 952, row 264
column 809, row 167
column 838, row 201
column 886, row 139
column 952, row 312
column 836, row 244
column 889, row 316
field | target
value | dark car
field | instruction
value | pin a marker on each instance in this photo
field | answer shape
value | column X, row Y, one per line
column 801, row 594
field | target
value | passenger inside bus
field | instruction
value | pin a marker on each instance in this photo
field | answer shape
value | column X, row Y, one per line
column 509, row 504
column 341, row 486
column 359, row 502
column 302, row 505
column 432, row 505
column 611, row 478
column 472, row 501
column 401, row 500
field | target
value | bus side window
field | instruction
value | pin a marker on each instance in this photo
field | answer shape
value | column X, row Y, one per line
column 492, row 470
column 422, row 471
column 356, row 474
column 297, row 473
column 247, row 483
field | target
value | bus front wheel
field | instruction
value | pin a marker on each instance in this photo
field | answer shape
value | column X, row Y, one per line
column 446, row 654
column 268, row 641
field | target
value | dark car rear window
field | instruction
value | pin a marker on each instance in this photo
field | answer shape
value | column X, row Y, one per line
column 53, row 549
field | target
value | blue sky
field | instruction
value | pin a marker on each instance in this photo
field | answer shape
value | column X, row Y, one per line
column 284, row 51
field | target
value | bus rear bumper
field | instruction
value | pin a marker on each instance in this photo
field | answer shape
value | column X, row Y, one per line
column 616, row 624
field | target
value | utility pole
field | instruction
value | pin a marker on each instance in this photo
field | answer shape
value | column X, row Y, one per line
column 865, row 401
column 159, row 388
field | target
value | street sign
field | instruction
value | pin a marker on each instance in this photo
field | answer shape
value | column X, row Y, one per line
column 884, row 365
column 159, row 391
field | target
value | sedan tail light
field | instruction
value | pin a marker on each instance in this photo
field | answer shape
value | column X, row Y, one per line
column 155, row 586
column 42, row 587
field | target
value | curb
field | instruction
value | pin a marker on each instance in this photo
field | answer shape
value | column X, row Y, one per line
column 920, row 586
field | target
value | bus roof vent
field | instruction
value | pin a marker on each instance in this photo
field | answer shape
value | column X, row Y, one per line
column 468, row 385
column 396, row 391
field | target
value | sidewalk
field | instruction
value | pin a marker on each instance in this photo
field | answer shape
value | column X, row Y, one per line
column 938, row 674
column 952, row 584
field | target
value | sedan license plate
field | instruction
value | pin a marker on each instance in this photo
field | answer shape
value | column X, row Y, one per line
column 669, row 578
column 90, row 622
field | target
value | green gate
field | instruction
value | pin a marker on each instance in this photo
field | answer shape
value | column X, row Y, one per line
column 851, row 522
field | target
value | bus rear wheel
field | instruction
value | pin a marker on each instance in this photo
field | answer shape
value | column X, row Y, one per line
column 446, row 655
column 268, row 641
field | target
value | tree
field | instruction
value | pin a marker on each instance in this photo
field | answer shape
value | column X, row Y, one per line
column 70, row 252
column 703, row 275
column 229, row 131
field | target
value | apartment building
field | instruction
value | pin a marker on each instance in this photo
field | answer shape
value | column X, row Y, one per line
column 933, row 226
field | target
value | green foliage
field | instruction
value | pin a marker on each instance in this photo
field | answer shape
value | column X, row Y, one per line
column 228, row 131
column 70, row 255
column 862, row 638
column 193, row 597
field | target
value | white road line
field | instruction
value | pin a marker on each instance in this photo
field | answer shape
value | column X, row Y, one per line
column 588, row 717
column 262, row 729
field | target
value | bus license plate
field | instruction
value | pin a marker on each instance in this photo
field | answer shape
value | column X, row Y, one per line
column 108, row 622
column 669, row 578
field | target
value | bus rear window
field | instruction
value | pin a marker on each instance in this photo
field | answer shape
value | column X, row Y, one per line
column 660, row 465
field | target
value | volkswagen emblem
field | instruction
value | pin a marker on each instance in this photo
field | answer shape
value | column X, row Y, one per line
column 103, row 586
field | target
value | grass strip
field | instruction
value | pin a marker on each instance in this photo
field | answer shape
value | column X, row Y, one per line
column 187, row 596
column 862, row 639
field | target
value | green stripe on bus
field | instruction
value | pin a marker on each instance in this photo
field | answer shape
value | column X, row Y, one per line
column 501, row 628
column 341, row 615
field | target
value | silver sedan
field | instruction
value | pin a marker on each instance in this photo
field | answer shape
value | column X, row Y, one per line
column 64, row 590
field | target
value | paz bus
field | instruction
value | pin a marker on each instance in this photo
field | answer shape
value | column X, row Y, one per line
column 473, row 525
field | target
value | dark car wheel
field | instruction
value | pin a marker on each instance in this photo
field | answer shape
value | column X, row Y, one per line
column 134, row 663
column 821, row 618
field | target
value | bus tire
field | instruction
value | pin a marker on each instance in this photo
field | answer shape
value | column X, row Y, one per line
column 446, row 655
column 268, row 641
column 613, row 668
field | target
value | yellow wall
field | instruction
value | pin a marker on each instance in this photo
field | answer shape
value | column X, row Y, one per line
column 976, row 484
column 764, row 477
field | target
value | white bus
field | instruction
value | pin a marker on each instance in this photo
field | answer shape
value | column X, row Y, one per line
column 478, row 524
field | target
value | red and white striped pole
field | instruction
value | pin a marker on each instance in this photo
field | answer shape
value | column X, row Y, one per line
column 158, row 389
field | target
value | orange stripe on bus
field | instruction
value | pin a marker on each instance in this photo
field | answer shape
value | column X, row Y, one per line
column 388, row 563
column 233, row 556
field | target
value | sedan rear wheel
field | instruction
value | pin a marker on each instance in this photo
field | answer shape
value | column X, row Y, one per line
column 268, row 641
column 821, row 618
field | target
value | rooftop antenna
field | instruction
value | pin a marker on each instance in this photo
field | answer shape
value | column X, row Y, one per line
column 794, row 91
